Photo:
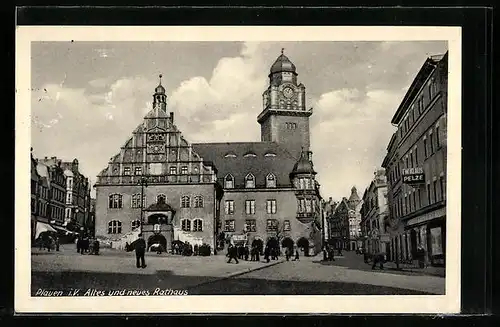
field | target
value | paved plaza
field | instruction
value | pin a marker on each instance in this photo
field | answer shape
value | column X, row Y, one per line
column 212, row 275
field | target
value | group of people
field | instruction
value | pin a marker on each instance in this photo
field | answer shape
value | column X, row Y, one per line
column 328, row 253
column 270, row 253
column 86, row 245
column 48, row 241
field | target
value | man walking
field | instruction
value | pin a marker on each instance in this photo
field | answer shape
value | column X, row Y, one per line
column 139, row 246
column 232, row 253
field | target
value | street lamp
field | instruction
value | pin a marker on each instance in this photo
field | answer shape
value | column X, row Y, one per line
column 144, row 183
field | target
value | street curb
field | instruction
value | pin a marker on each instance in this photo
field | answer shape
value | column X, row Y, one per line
column 238, row 273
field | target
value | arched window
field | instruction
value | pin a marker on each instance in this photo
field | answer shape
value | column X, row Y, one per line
column 250, row 155
column 115, row 227
column 250, row 181
column 186, row 225
column 198, row 225
column 115, row 201
column 135, row 223
column 161, row 198
column 229, row 181
column 271, row 180
column 198, row 201
column 185, row 201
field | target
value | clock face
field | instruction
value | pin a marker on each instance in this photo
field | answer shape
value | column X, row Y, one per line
column 288, row 92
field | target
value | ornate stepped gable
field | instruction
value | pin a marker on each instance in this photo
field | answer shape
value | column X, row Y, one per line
column 157, row 149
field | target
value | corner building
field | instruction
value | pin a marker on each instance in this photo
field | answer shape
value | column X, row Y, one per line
column 258, row 192
column 416, row 166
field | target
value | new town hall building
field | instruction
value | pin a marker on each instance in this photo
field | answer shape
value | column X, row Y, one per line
column 250, row 192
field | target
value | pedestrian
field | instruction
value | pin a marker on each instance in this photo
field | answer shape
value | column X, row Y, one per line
column 246, row 253
column 139, row 245
column 232, row 253
column 267, row 253
column 288, row 253
column 325, row 253
column 57, row 243
column 421, row 256
column 378, row 258
column 296, row 255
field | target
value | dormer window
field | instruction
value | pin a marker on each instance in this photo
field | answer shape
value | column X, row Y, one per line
column 270, row 154
column 229, row 181
column 250, row 155
column 271, row 180
column 230, row 155
column 250, row 181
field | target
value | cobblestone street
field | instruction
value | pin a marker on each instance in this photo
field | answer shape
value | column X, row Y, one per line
column 113, row 269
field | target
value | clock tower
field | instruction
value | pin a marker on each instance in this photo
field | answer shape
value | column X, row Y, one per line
column 284, row 118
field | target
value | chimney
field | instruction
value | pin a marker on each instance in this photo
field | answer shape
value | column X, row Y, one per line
column 172, row 117
column 46, row 158
column 53, row 158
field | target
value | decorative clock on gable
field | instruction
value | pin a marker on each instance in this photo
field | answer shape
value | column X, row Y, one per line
column 156, row 148
column 288, row 92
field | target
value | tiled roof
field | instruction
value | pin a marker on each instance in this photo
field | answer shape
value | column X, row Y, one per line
column 241, row 158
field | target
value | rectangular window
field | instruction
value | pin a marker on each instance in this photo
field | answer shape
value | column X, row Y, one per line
column 431, row 142
column 272, row 225
column 428, row 194
column 229, row 207
column 425, row 148
column 286, row 225
column 126, row 171
column 250, row 225
column 250, row 207
column 302, row 205
column 442, row 188
column 184, row 170
column 271, row 206
column 229, row 225
column 173, row 170
column 434, row 187
column 437, row 138
column 138, row 171
column 419, row 198
column 414, row 201
column 406, row 205
column 308, row 205
column 416, row 157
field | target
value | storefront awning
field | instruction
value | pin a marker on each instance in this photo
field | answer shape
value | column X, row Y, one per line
column 62, row 229
column 43, row 227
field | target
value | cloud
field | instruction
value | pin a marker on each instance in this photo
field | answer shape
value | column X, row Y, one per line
column 350, row 132
column 354, row 88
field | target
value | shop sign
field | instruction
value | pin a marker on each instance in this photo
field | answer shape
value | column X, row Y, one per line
column 413, row 176
column 156, row 228
column 239, row 237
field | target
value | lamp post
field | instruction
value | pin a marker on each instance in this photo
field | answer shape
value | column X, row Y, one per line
column 144, row 183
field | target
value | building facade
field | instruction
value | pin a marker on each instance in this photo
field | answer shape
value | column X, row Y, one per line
column 158, row 185
column 270, row 190
column 57, row 193
column 255, row 192
column 416, row 166
column 35, row 179
column 375, row 215
column 77, row 197
column 344, row 223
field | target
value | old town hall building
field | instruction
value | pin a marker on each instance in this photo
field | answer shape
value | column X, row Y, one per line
column 248, row 192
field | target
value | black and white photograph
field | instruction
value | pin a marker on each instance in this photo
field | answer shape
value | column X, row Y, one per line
column 238, row 162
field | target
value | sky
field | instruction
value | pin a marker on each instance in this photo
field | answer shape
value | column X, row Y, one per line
column 87, row 97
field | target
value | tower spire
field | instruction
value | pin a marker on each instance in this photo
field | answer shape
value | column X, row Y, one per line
column 160, row 78
column 282, row 50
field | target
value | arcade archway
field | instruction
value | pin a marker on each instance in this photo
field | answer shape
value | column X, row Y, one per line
column 304, row 244
column 272, row 243
column 157, row 239
column 287, row 243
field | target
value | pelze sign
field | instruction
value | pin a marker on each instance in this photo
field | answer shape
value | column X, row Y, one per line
column 413, row 176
